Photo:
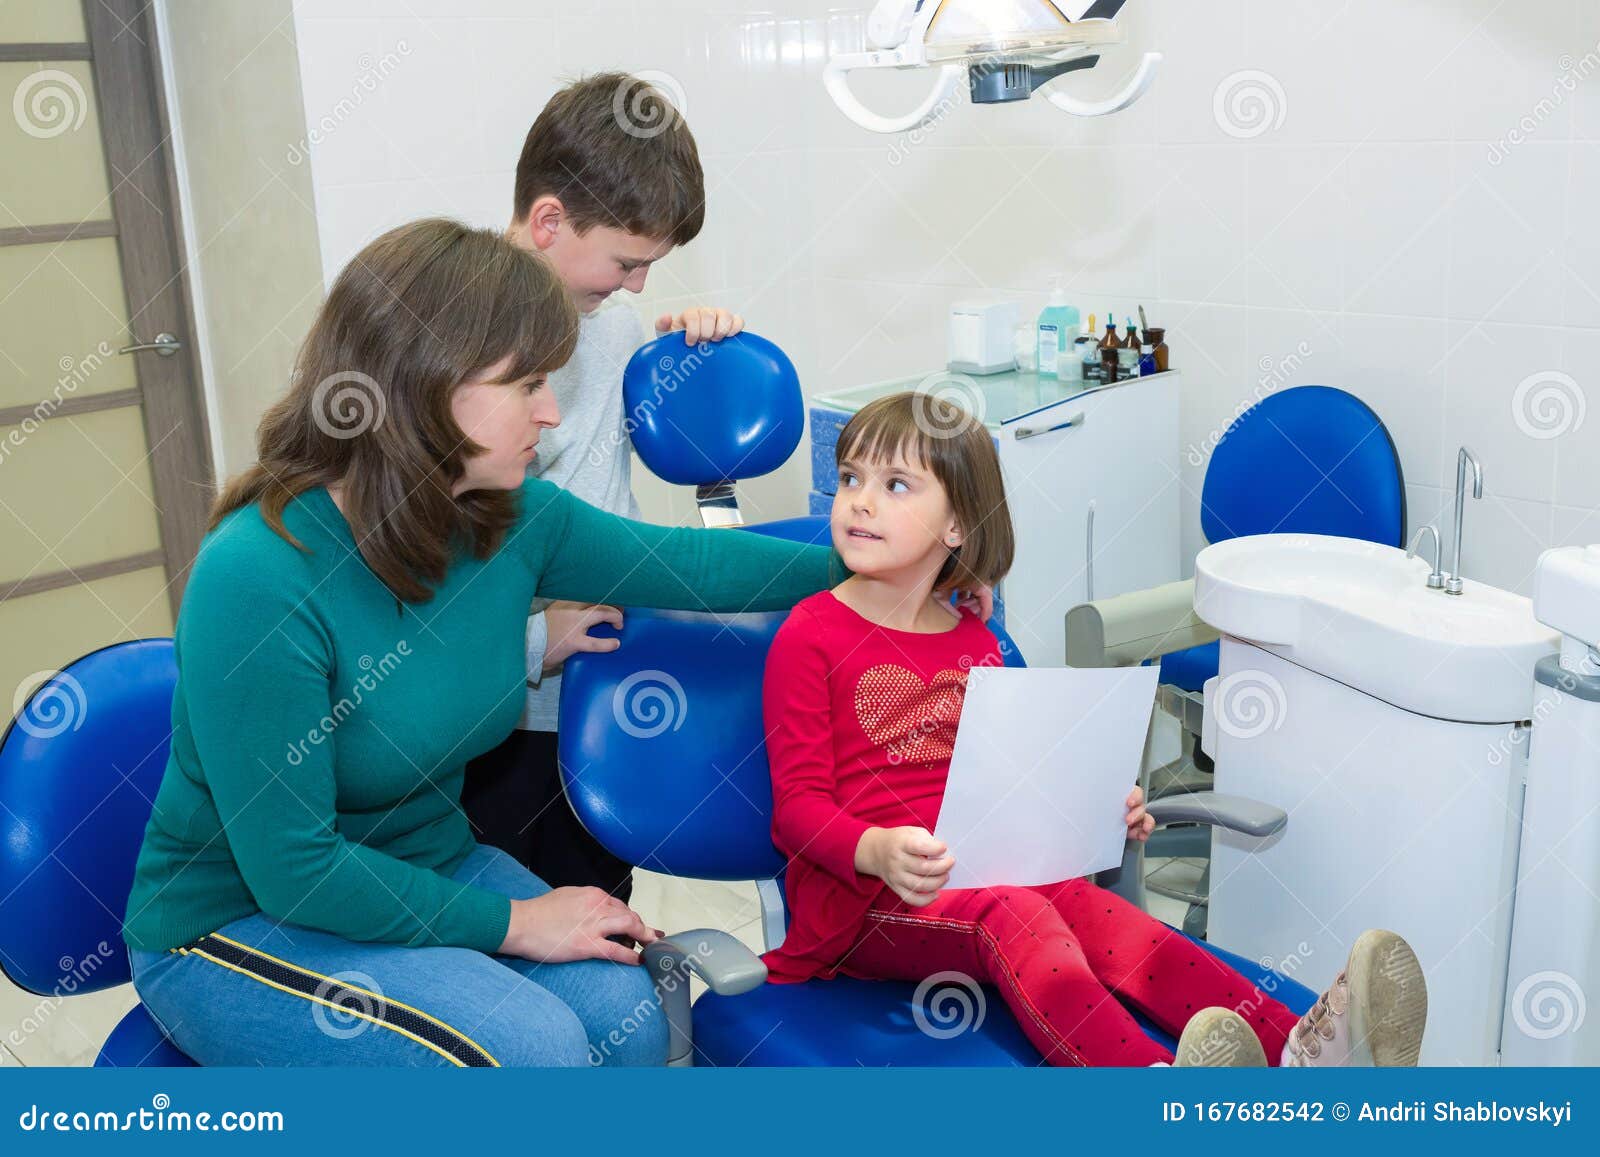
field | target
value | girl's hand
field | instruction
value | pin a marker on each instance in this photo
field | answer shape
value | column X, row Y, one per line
column 979, row 600
column 909, row 860
column 567, row 631
column 1140, row 822
column 572, row 924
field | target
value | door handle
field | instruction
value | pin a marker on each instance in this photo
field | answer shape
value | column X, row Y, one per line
column 165, row 346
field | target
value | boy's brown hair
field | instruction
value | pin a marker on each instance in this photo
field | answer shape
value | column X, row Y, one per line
column 943, row 438
column 616, row 152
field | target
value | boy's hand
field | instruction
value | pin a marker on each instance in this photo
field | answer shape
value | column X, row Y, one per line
column 567, row 631
column 702, row 323
column 909, row 860
column 1140, row 822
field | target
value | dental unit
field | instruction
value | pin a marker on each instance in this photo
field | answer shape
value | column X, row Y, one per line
column 1006, row 50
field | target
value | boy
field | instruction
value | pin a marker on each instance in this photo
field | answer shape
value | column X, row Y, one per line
column 608, row 183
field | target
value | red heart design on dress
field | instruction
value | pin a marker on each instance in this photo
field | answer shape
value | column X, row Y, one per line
column 916, row 720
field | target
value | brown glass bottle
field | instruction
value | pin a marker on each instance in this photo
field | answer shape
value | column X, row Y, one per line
column 1111, row 341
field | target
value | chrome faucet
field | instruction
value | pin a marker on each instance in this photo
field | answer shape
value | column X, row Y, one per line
column 1436, row 576
column 1452, row 585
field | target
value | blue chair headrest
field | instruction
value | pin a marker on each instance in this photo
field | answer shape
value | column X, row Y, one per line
column 1309, row 460
column 79, row 768
column 717, row 412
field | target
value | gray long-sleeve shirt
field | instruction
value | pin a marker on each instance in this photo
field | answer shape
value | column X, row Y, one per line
column 588, row 455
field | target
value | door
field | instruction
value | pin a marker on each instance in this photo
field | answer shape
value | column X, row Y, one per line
column 105, row 470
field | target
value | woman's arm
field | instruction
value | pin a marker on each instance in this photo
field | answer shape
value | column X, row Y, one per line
column 587, row 555
column 254, row 665
column 807, row 822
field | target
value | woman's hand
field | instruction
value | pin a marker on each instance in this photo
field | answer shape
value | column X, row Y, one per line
column 572, row 924
column 567, row 631
column 909, row 860
column 1140, row 822
column 980, row 600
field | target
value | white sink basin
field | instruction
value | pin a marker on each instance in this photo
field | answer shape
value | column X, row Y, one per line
column 1363, row 614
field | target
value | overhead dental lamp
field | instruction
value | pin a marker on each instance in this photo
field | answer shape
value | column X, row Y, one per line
column 1007, row 50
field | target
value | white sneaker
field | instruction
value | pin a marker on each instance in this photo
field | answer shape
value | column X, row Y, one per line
column 1219, row 1038
column 1373, row 1013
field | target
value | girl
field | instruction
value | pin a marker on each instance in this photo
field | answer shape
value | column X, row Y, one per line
column 863, row 691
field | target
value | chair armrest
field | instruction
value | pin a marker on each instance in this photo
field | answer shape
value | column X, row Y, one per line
column 726, row 965
column 723, row 962
column 1232, row 813
column 1128, row 629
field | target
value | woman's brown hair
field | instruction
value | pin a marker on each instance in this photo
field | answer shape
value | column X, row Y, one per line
column 420, row 310
column 943, row 438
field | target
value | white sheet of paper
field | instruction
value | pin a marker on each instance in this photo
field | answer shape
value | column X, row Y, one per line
column 1043, row 763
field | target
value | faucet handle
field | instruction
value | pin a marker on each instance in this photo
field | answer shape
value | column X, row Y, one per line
column 1436, row 578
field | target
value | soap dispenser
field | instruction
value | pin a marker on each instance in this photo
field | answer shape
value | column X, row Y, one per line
column 1058, row 328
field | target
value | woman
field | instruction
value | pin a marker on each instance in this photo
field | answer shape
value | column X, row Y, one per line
column 308, row 890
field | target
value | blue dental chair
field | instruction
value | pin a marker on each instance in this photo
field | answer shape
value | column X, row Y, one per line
column 663, row 756
column 1306, row 460
column 79, row 768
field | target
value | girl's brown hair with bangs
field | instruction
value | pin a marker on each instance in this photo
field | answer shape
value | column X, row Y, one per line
column 419, row 311
column 941, row 437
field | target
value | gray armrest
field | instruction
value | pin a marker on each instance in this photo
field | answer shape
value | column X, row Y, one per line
column 1128, row 629
column 1233, row 813
column 723, row 962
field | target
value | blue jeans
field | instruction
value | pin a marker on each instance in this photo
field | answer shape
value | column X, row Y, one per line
column 261, row 992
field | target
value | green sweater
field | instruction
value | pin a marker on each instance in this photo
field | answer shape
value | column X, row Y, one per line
column 321, row 729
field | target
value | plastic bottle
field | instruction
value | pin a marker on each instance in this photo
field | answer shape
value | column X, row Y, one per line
column 1058, row 324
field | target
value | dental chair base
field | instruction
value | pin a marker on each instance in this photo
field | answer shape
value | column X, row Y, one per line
column 1396, row 820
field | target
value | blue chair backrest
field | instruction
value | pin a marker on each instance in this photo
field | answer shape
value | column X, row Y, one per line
column 662, row 744
column 1309, row 460
column 716, row 412
column 79, row 769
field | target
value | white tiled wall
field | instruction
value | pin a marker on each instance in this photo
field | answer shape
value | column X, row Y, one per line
column 1425, row 268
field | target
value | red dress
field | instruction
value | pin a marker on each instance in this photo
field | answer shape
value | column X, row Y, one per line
column 861, row 722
